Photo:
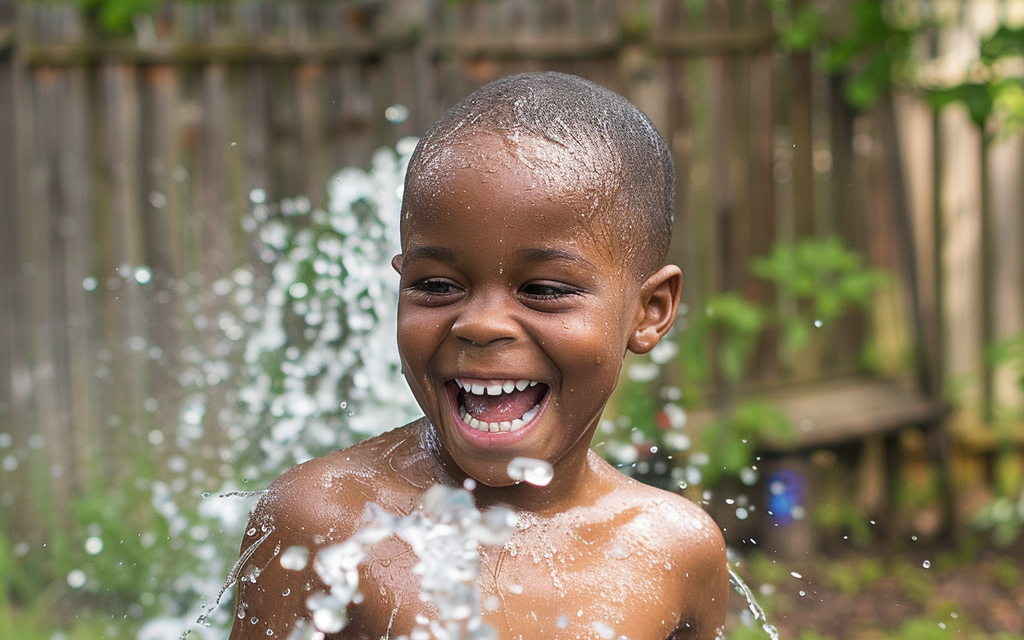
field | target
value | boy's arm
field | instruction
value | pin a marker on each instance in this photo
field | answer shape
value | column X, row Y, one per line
column 706, row 593
column 293, row 513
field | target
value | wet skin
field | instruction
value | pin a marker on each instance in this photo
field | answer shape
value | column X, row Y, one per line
column 506, row 276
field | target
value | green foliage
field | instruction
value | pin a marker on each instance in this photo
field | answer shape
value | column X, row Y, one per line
column 977, row 97
column 799, row 26
column 823, row 278
column 729, row 326
column 989, row 95
column 852, row 577
column 1003, row 517
column 820, row 279
column 116, row 16
column 845, row 517
column 1008, row 352
column 871, row 54
column 731, row 441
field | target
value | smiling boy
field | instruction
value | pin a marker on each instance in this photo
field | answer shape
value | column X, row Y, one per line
column 535, row 223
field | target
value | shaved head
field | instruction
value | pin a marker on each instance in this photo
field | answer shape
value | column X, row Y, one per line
column 589, row 143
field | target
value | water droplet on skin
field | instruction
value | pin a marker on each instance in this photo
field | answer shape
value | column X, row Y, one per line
column 536, row 472
column 603, row 630
column 563, row 622
column 295, row 558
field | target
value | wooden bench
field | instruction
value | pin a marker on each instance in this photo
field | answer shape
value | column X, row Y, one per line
column 833, row 415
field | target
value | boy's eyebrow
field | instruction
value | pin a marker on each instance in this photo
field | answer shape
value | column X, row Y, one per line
column 435, row 253
column 545, row 254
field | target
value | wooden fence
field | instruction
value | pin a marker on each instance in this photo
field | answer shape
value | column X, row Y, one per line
column 128, row 165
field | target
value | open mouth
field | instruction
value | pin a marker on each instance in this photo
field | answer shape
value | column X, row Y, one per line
column 495, row 406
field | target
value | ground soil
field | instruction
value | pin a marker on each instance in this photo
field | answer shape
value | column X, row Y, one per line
column 878, row 594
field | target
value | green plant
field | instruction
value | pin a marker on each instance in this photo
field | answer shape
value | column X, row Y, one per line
column 818, row 280
column 868, row 42
column 1004, row 515
column 731, row 441
column 117, row 16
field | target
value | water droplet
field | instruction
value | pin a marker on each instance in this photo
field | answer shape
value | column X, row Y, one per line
column 469, row 484
column 89, row 284
column 76, row 579
column 818, row 323
column 207, row 495
column 796, row 575
column 530, row 470
column 397, row 113
column 295, row 558
column 93, row 545
column 328, row 620
column 926, row 564
column 344, row 405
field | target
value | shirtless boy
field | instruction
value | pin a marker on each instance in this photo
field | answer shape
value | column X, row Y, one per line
column 535, row 223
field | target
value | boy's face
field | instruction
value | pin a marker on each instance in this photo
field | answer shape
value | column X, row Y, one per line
column 515, row 311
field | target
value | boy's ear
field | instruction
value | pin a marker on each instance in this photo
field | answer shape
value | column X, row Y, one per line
column 396, row 263
column 659, row 301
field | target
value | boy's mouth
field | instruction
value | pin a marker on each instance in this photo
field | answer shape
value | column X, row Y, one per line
column 493, row 406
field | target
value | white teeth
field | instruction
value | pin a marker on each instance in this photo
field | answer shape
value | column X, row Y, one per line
column 504, row 426
column 531, row 414
column 496, row 388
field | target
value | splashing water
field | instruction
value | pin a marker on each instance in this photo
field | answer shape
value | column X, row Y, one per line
column 444, row 534
column 755, row 609
column 536, row 472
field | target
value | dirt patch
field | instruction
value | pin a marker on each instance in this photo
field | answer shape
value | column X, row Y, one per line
column 860, row 595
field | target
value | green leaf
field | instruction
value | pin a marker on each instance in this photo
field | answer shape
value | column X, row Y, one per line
column 977, row 97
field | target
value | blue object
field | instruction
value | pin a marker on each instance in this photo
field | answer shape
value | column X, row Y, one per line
column 787, row 491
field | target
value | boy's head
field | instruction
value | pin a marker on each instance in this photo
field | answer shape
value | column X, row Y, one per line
column 536, row 215
column 580, row 138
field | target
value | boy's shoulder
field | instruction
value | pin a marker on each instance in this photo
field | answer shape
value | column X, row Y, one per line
column 324, row 498
column 666, row 520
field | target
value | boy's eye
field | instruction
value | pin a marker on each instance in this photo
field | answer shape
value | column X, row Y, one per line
column 547, row 291
column 435, row 286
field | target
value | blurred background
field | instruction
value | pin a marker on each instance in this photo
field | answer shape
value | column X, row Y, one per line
column 199, row 200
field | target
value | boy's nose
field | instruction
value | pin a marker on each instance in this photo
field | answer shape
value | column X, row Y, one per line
column 484, row 321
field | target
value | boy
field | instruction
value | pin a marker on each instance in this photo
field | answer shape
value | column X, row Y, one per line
column 536, row 218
